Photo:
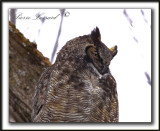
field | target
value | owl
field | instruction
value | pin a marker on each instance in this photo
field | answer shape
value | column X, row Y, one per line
column 79, row 86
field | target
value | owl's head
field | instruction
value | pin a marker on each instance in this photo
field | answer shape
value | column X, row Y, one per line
column 89, row 48
column 99, row 54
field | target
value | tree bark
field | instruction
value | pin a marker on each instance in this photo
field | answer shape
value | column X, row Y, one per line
column 26, row 64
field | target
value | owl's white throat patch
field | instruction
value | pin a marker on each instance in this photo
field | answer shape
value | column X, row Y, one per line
column 97, row 72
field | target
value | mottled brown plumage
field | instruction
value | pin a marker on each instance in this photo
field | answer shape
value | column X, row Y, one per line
column 78, row 87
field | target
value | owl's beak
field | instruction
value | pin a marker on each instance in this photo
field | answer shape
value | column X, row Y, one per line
column 114, row 50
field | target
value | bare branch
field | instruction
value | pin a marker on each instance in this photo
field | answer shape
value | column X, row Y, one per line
column 13, row 16
column 59, row 32
column 148, row 78
column 128, row 18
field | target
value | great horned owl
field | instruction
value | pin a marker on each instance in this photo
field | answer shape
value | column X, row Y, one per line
column 79, row 86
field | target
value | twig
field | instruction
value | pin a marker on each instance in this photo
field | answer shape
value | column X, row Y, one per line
column 59, row 32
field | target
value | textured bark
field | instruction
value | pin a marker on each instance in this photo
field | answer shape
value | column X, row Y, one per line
column 26, row 64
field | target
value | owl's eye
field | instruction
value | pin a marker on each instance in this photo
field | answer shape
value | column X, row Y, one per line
column 92, row 52
column 95, row 59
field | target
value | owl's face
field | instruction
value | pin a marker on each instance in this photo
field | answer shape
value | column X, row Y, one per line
column 91, row 48
column 99, row 54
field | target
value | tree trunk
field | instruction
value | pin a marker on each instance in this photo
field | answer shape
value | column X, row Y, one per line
column 26, row 64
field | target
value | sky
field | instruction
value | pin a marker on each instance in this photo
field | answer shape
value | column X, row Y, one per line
column 129, row 29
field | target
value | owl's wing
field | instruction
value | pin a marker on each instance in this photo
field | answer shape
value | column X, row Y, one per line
column 41, row 92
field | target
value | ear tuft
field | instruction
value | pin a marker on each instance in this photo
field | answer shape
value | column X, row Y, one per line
column 96, row 36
